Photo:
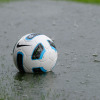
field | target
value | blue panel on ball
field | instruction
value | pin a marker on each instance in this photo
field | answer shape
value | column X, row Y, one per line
column 43, row 69
column 41, row 56
column 38, row 69
column 20, row 62
column 53, row 48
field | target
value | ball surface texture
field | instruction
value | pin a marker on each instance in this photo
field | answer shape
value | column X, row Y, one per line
column 35, row 53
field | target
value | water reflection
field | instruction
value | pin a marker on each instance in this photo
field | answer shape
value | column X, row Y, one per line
column 24, row 76
column 33, row 85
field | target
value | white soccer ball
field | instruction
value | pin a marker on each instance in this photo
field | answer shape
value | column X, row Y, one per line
column 35, row 53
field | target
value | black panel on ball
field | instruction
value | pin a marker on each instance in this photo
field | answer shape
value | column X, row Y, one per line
column 37, row 52
column 52, row 44
column 20, row 62
column 36, row 70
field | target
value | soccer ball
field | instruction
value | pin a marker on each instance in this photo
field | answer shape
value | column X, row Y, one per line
column 34, row 53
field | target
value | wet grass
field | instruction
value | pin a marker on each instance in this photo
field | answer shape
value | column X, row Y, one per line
column 28, row 87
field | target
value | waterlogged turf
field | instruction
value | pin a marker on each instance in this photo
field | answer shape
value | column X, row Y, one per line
column 75, row 29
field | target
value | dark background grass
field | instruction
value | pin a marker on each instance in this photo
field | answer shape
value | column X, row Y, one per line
column 84, row 1
column 88, row 1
